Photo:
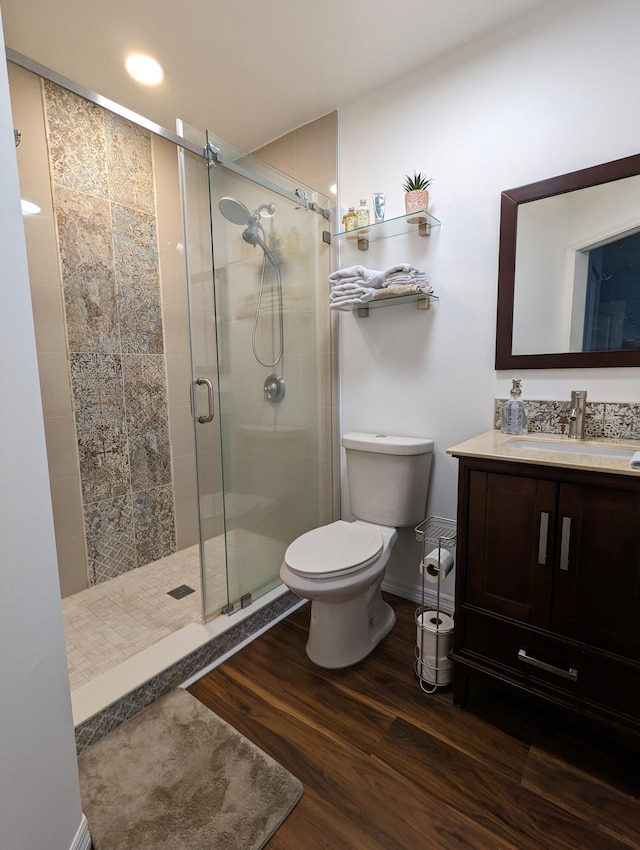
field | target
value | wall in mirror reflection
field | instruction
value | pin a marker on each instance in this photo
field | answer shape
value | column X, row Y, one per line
column 577, row 282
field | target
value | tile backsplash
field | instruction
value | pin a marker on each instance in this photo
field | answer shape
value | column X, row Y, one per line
column 619, row 420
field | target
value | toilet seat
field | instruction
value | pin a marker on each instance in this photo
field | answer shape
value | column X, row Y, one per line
column 332, row 550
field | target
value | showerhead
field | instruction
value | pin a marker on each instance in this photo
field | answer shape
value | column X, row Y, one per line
column 234, row 211
column 251, row 233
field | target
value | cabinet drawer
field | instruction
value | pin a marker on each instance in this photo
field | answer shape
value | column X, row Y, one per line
column 548, row 664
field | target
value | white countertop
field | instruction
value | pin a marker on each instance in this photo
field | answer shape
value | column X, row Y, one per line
column 494, row 445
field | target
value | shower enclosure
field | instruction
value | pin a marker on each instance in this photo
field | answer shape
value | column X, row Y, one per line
column 107, row 257
column 256, row 265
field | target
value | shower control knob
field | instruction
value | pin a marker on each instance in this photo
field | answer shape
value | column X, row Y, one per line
column 274, row 389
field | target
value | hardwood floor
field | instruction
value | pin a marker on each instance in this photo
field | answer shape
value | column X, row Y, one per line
column 388, row 767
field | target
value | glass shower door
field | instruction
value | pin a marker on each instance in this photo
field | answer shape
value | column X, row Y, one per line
column 209, row 513
column 272, row 345
column 261, row 353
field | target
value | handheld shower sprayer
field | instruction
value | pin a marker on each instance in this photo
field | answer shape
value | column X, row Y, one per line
column 254, row 234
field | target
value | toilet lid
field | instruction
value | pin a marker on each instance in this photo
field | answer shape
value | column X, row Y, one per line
column 335, row 548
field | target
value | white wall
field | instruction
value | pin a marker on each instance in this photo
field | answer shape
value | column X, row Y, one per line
column 39, row 790
column 549, row 95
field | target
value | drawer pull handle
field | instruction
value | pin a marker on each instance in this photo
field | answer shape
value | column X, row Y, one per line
column 570, row 673
column 544, row 530
column 564, row 543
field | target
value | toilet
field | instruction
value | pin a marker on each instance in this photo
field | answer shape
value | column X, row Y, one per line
column 340, row 566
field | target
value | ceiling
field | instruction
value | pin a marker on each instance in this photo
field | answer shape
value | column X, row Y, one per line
column 249, row 70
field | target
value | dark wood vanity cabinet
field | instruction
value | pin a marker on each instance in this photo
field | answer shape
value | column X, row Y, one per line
column 548, row 587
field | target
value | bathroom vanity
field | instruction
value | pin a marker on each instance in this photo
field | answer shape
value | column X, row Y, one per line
column 548, row 574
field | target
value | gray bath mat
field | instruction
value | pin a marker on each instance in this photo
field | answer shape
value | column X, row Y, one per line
column 177, row 777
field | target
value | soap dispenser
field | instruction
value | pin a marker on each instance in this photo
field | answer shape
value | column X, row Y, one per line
column 514, row 412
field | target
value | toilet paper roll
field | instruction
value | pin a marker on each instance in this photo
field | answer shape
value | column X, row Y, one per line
column 434, row 621
column 436, row 566
column 434, row 634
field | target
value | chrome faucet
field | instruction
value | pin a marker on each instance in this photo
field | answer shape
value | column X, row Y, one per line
column 577, row 410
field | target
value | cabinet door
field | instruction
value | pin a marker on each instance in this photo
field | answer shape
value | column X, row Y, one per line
column 510, row 545
column 596, row 596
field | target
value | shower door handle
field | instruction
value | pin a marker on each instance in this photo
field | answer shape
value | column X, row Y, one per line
column 207, row 383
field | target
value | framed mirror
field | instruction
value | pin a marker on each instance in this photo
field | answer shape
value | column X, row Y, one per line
column 569, row 270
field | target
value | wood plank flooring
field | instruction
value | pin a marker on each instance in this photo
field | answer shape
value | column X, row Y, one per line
column 388, row 767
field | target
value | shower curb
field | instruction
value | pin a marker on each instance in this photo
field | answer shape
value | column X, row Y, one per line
column 106, row 721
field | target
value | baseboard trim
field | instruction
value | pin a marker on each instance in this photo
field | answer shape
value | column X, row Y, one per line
column 414, row 594
column 82, row 841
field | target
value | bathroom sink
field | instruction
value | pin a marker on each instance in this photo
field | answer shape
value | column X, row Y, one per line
column 579, row 447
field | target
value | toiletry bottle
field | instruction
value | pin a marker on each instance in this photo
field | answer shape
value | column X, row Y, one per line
column 363, row 213
column 350, row 219
column 514, row 412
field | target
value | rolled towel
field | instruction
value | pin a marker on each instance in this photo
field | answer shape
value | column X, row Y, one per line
column 403, row 289
column 635, row 461
column 359, row 274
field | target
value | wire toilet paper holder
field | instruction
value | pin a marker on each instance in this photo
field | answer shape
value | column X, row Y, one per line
column 440, row 532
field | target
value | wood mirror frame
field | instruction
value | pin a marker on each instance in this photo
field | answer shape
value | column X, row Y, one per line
column 510, row 200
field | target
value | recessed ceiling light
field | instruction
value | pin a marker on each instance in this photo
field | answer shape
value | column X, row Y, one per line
column 144, row 69
column 29, row 209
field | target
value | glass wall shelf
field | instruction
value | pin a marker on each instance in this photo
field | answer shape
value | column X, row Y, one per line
column 422, row 222
column 422, row 300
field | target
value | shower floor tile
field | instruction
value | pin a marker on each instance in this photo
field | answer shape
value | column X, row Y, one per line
column 113, row 621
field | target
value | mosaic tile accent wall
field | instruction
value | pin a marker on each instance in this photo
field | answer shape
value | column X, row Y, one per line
column 104, row 200
column 618, row 420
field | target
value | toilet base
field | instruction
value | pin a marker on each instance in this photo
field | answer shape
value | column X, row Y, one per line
column 343, row 633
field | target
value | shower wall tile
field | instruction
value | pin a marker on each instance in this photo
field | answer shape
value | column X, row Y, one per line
column 48, row 318
column 102, row 438
column 147, row 421
column 137, row 277
column 76, row 141
column 53, row 371
column 62, row 448
column 110, row 538
column 73, row 555
column 154, row 524
column 66, row 502
column 85, row 240
column 129, row 163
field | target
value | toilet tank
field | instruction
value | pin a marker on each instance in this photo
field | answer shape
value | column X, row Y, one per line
column 388, row 477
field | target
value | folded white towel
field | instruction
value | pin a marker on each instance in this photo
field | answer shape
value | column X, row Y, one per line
column 405, row 278
column 365, row 293
column 347, row 304
column 399, row 267
column 635, row 461
column 403, row 273
column 350, row 286
column 358, row 274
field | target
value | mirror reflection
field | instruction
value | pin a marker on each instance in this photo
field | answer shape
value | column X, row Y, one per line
column 577, row 271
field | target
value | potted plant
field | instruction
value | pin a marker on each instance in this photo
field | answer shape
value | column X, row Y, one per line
column 417, row 196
